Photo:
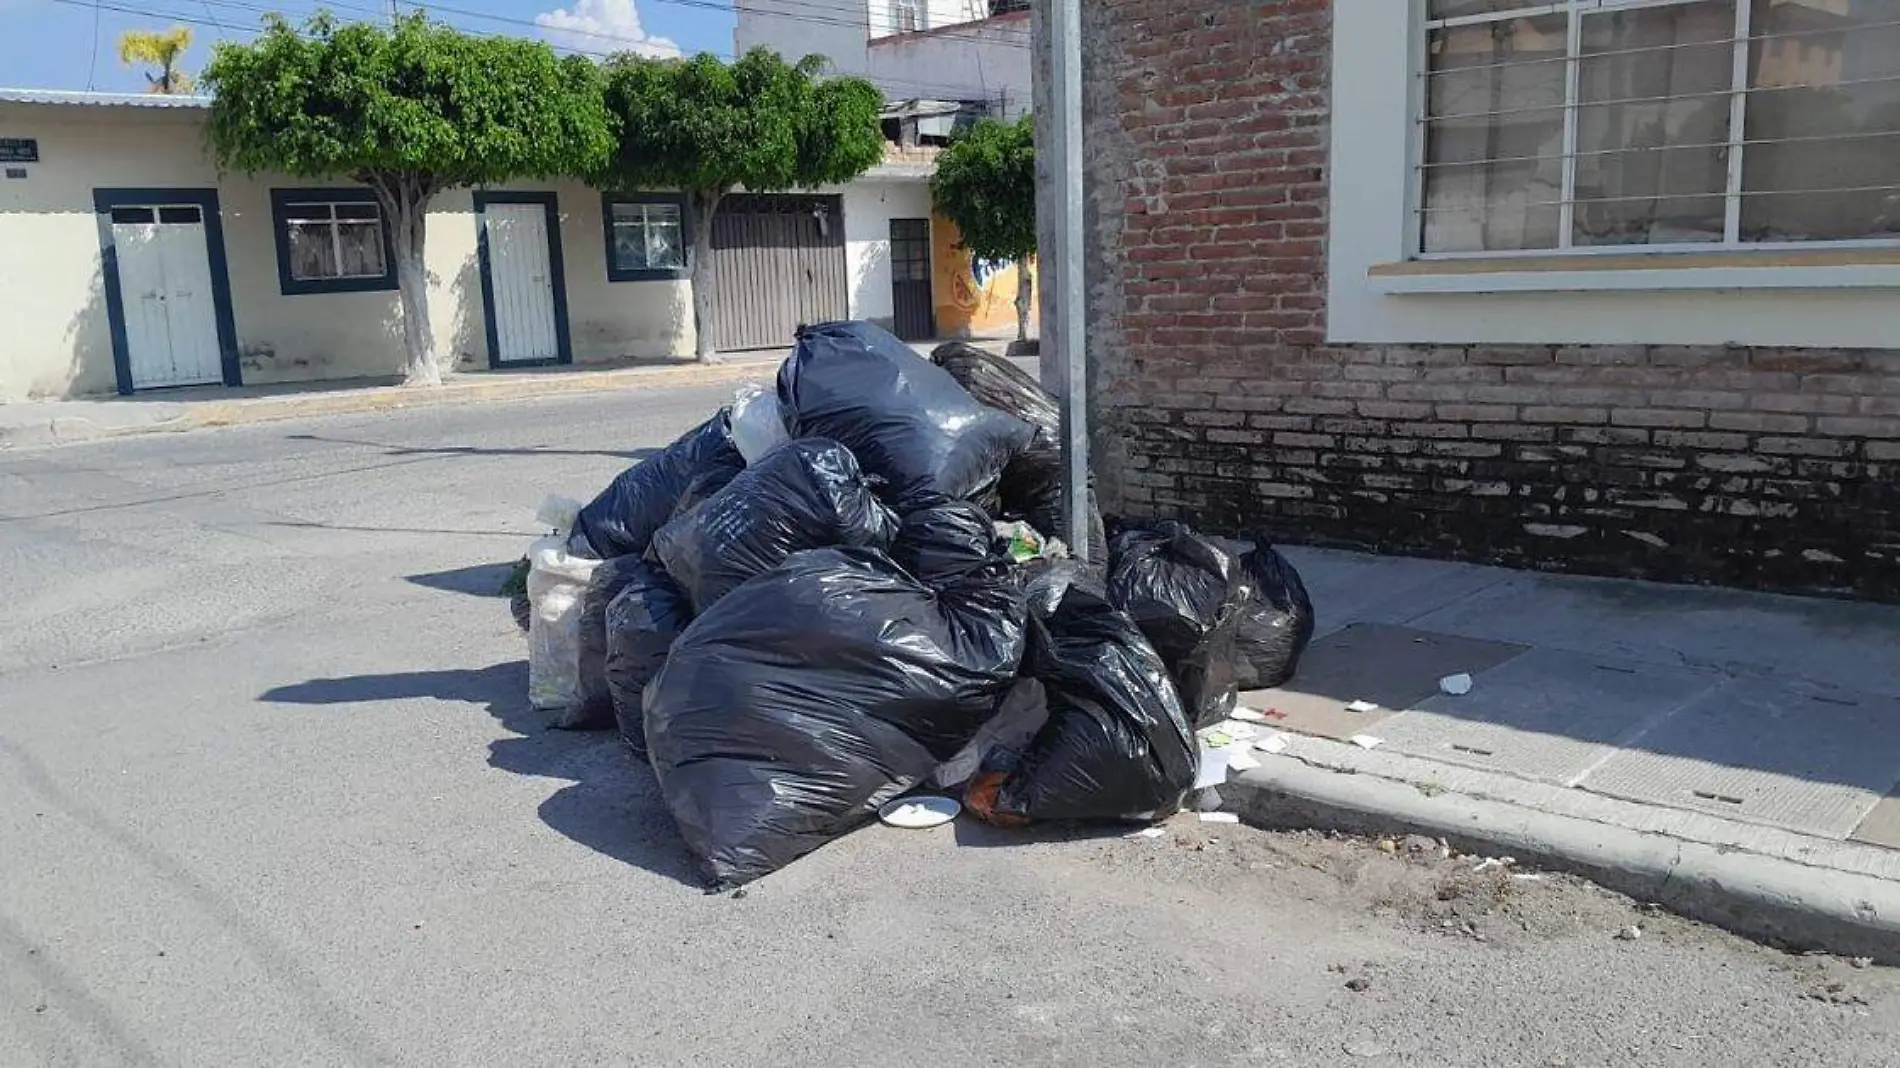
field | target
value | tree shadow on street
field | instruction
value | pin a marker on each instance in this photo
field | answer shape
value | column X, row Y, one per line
column 613, row 805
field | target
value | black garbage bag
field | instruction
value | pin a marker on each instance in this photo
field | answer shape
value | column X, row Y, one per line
column 1116, row 746
column 905, row 418
column 944, row 542
column 818, row 691
column 1030, row 489
column 715, row 475
column 1275, row 625
column 806, row 494
column 642, row 623
column 1000, row 384
column 1030, row 486
column 595, row 708
column 640, row 500
column 1187, row 594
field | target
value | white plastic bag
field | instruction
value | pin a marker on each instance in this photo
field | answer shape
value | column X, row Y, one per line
column 557, row 580
column 758, row 426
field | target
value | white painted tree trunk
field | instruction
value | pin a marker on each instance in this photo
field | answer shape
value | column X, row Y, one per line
column 705, row 204
column 406, row 203
column 1025, row 294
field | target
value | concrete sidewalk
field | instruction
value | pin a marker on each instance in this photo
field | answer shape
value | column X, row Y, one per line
column 43, row 423
column 1734, row 756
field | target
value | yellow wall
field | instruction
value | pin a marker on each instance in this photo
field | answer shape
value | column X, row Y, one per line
column 969, row 304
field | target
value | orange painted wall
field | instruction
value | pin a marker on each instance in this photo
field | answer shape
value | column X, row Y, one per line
column 971, row 303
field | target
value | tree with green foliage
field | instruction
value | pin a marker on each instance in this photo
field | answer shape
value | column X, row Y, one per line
column 986, row 184
column 760, row 124
column 163, row 49
column 408, row 110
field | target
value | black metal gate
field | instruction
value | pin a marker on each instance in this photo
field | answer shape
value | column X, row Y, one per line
column 778, row 263
column 913, row 314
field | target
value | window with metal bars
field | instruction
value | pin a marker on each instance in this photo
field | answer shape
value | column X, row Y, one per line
column 1673, row 125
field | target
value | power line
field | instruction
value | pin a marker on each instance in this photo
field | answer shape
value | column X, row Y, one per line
column 92, row 66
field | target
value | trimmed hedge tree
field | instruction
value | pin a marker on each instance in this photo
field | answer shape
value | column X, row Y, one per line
column 408, row 110
column 986, row 184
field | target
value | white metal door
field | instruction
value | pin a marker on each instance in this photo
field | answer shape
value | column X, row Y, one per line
column 521, row 278
column 171, row 321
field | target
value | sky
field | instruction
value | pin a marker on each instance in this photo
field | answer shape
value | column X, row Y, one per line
column 52, row 44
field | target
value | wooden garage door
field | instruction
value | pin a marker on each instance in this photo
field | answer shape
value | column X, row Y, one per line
column 778, row 262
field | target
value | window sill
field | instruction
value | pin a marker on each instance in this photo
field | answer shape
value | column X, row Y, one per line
column 660, row 274
column 295, row 288
column 1644, row 272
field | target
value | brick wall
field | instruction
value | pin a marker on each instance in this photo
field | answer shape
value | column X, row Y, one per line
column 1216, row 398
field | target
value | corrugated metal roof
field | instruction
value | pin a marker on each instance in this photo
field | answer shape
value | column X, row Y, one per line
column 103, row 100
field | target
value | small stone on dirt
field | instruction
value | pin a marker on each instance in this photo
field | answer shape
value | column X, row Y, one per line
column 1420, row 846
column 1365, row 1048
column 1629, row 934
column 1359, row 984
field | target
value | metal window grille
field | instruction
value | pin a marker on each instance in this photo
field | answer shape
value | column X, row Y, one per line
column 1667, row 125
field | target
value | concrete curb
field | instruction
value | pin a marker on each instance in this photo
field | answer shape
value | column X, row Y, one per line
column 471, row 389
column 1778, row 901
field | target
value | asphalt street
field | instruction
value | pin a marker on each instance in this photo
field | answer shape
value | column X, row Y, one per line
column 271, row 794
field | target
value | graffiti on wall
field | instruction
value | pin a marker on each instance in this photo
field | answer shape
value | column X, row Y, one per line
column 975, row 297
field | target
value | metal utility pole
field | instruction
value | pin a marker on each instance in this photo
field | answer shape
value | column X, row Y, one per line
column 1071, row 332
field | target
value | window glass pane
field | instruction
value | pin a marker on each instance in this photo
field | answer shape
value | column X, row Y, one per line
column 312, row 252
column 630, row 246
column 1451, row 9
column 1823, row 159
column 664, row 247
column 1494, row 136
column 361, row 245
column 358, row 211
column 179, row 215
column 1654, row 91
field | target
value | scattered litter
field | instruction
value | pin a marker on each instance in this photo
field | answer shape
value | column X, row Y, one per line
column 1366, row 741
column 1629, row 934
column 1362, row 707
column 1219, row 817
column 1430, row 789
column 1487, row 863
column 1455, row 685
column 1862, row 962
column 1272, row 743
column 919, row 813
column 1213, row 770
column 1217, row 739
column 1241, row 760
column 1248, row 715
column 1148, row 832
column 1237, row 730
column 1526, row 877
column 1389, row 846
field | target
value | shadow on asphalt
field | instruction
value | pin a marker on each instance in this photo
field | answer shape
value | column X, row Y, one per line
column 613, row 806
column 630, row 455
column 479, row 580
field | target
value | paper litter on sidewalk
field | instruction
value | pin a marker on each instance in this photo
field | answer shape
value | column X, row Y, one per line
column 1213, row 769
column 1219, row 817
column 1362, row 707
column 1455, row 685
column 1240, row 760
column 1272, row 743
column 1249, row 715
column 1366, row 741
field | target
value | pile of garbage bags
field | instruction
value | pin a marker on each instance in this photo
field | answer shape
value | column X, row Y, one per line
column 836, row 592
